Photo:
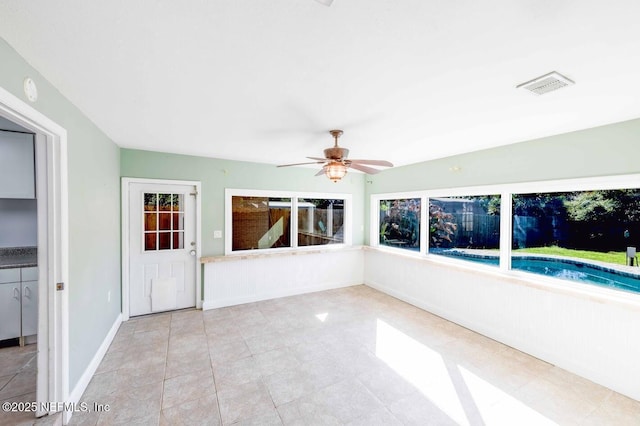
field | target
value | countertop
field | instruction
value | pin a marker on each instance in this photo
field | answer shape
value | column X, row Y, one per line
column 18, row 257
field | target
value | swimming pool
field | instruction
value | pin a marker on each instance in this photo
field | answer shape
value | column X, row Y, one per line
column 568, row 269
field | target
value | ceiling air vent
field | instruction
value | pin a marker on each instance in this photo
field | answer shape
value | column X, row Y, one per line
column 546, row 83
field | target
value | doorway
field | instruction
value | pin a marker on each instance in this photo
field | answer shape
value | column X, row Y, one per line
column 160, row 246
column 39, row 286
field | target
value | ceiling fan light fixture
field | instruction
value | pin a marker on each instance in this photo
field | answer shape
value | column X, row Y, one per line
column 335, row 171
column 325, row 2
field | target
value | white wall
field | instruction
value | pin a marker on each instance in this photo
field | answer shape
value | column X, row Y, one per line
column 590, row 336
column 18, row 223
column 237, row 279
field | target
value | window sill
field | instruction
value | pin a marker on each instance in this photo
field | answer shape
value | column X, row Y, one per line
column 299, row 251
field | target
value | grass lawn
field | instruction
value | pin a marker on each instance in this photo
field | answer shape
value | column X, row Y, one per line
column 617, row 257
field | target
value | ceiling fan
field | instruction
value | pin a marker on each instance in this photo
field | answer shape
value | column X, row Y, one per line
column 325, row 2
column 336, row 163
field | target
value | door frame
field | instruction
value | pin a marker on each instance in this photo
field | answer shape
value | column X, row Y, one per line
column 53, row 250
column 126, row 181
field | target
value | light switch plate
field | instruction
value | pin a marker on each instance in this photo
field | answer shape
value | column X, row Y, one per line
column 217, row 234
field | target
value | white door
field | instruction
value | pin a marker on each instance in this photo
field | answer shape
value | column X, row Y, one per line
column 162, row 247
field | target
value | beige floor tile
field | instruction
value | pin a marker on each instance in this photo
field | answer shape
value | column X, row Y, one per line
column 336, row 404
column 557, row 402
column 616, row 410
column 188, row 364
column 270, row 418
column 189, row 387
column 275, row 361
column 19, row 417
column 236, row 372
column 419, row 410
column 318, row 359
column 22, row 383
column 379, row 417
column 4, row 380
column 245, row 401
column 228, row 351
column 201, row 411
column 288, row 385
column 387, row 385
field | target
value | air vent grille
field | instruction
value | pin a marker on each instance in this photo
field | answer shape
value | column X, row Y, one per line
column 546, row 83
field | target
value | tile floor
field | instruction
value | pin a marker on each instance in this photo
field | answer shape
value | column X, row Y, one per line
column 350, row 356
column 18, row 384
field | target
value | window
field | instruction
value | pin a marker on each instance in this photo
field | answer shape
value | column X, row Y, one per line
column 400, row 223
column 163, row 221
column 585, row 236
column 582, row 230
column 465, row 227
column 263, row 220
column 320, row 221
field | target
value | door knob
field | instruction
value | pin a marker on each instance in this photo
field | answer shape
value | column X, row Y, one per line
column 192, row 252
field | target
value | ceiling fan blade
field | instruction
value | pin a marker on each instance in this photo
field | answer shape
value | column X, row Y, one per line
column 383, row 163
column 317, row 158
column 325, row 2
column 321, row 172
column 367, row 170
column 301, row 164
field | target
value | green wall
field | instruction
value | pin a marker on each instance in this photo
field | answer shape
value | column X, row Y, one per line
column 216, row 175
column 94, row 213
column 601, row 151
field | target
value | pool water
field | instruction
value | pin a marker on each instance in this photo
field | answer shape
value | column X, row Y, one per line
column 567, row 269
column 578, row 271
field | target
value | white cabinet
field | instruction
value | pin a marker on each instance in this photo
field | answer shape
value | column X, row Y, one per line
column 18, row 302
column 17, row 165
column 10, row 303
column 29, row 293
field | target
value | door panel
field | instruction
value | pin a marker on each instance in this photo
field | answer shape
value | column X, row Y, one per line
column 10, row 310
column 162, row 236
column 29, row 308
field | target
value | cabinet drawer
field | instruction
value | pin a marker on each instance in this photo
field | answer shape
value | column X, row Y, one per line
column 30, row 274
column 10, row 275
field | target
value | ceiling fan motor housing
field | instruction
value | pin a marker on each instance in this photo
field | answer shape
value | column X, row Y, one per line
column 336, row 153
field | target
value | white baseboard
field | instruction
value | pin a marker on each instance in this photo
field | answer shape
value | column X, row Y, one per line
column 81, row 386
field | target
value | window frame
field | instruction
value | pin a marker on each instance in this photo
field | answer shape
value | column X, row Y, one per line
column 506, row 191
column 294, row 196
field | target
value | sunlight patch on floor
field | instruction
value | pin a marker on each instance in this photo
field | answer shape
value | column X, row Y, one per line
column 322, row 317
column 460, row 394
column 421, row 366
column 497, row 406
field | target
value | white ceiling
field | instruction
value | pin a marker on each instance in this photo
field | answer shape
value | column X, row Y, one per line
column 264, row 80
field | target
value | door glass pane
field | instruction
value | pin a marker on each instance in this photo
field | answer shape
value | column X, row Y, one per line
column 164, row 202
column 150, row 241
column 164, row 221
column 178, row 221
column 150, row 202
column 177, row 202
column 164, row 241
column 178, row 240
column 150, row 221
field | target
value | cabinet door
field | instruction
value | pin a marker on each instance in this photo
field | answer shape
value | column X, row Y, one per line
column 10, row 310
column 17, row 165
column 29, row 308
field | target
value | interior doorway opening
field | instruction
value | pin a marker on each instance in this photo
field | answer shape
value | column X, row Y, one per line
column 47, row 284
